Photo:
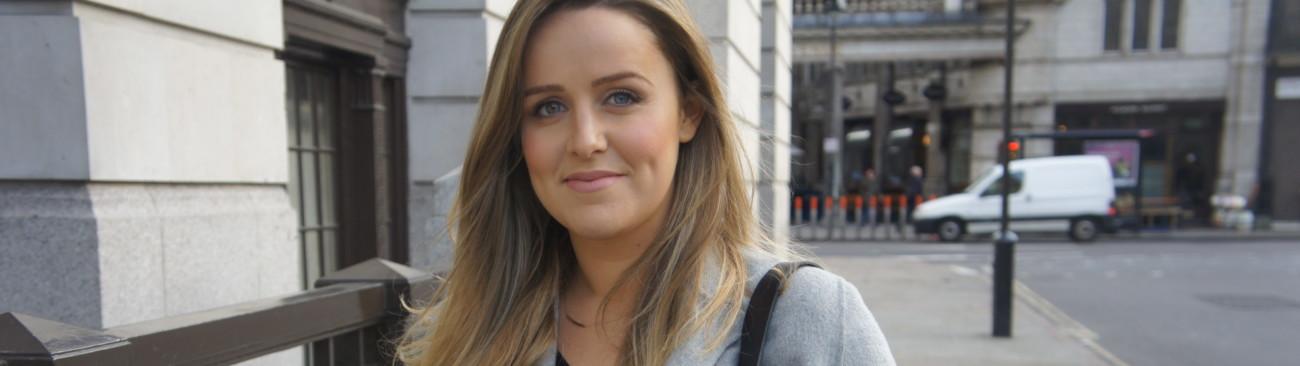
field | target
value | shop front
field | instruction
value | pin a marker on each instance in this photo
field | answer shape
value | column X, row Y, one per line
column 1178, row 163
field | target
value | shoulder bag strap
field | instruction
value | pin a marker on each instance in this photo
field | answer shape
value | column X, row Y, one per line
column 760, row 308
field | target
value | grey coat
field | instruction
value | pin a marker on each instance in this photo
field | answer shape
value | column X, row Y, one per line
column 820, row 319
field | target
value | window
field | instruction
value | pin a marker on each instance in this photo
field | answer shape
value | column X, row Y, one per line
column 1169, row 24
column 311, row 101
column 1114, row 11
column 1017, row 180
column 1141, row 24
column 1135, row 25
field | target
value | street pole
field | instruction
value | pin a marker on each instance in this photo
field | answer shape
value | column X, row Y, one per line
column 1004, row 249
column 837, row 111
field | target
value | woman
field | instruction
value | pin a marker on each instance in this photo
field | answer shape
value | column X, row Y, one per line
column 603, row 217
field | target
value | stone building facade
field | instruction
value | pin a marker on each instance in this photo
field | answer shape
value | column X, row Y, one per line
column 167, row 157
column 1190, row 71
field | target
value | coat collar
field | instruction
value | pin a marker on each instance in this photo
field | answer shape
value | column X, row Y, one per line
column 695, row 350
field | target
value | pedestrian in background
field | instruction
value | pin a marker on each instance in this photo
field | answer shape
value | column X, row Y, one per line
column 603, row 217
column 914, row 189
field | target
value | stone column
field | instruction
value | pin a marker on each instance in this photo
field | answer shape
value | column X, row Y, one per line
column 774, row 185
column 452, row 45
column 151, row 182
column 1239, row 159
column 734, row 29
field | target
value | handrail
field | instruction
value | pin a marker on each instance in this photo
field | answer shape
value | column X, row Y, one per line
column 359, row 304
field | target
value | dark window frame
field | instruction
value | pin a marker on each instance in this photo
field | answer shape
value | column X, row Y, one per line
column 1113, row 26
column 1141, row 29
column 364, row 45
column 1170, row 24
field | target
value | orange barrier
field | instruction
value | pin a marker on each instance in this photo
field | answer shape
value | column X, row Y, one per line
column 798, row 203
column 844, row 202
column 857, row 202
column 814, row 202
column 902, row 201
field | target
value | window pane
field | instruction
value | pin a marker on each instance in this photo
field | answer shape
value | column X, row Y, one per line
column 1114, row 11
column 1169, row 24
column 330, row 250
column 310, row 256
column 325, row 110
column 327, row 194
column 306, row 128
column 295, row 181
column 1141, row 24
column 310, row 195
column 1017, row 179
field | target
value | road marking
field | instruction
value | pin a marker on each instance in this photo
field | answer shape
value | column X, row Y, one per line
column 1063, row 320
column 964, row 271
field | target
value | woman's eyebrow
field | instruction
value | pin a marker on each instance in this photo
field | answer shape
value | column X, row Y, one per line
column 602, row 80
column 542, row 89
column 619, row 76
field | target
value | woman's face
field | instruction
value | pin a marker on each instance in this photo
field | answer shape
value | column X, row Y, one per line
column 602, row 123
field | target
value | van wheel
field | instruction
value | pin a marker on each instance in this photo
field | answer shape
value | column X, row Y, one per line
column 950, row 230
column 1084, row 230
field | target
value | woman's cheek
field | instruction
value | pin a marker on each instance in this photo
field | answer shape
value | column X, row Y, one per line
column 536, row 153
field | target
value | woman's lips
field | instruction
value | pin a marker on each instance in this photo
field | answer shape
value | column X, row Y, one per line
column 591, row 181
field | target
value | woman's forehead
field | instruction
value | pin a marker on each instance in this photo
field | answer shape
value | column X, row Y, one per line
column 592, row 43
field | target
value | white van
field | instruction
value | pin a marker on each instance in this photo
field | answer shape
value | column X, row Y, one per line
column 1071, row 194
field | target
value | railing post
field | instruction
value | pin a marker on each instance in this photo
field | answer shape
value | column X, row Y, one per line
column 27, row 340
column 871, row 215
column 370, row 345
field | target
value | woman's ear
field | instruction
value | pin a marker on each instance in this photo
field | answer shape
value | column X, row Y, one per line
column 692, row 114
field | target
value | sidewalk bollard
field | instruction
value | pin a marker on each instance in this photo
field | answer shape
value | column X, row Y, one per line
column 919, row 200
column 871, row 216
column 888, row 218
column 844, row 218
column 798, row 216
column 829, row 206
column 812, row 216
column 902, row 216
column 857, row 206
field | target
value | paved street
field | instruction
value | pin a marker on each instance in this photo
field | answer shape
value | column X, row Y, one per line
column 1150, row 303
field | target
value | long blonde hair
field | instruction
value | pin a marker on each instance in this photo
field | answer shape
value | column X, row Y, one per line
column 496, row 305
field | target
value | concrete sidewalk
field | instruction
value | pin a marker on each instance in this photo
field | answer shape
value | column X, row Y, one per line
column 941, row 315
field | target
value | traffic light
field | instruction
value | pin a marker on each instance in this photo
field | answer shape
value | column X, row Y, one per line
column 1013, row 148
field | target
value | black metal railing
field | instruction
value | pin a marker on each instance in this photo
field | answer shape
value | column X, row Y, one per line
column 352, row 317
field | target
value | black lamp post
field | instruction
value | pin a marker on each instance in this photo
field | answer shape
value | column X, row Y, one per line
column 1004, row 248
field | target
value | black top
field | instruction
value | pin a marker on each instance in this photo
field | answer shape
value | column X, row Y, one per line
column 559, row 359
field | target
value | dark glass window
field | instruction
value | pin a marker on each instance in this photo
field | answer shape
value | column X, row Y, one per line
column 1017, row 181
column 1141, row 24
column 1114, row 15
column 1169, row 24
column 312, row 178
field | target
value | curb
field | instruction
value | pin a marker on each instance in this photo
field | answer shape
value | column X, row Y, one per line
column 1058, row 317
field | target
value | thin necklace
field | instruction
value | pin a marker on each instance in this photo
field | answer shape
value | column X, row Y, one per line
column 571, row 320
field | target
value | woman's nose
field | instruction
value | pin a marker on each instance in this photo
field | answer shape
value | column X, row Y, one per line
column 587, row 135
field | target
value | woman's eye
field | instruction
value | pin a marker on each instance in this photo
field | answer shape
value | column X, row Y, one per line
column 622, row 98
column 548, row 108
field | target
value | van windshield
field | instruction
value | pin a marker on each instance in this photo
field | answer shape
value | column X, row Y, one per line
column 979, row 182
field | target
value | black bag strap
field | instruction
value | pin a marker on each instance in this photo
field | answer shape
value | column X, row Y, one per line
column 761, row 304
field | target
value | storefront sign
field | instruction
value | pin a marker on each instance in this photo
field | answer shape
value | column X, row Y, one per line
column 831, row 145
column 1123, row 156
column 1139, row 108
column 1287, row 88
